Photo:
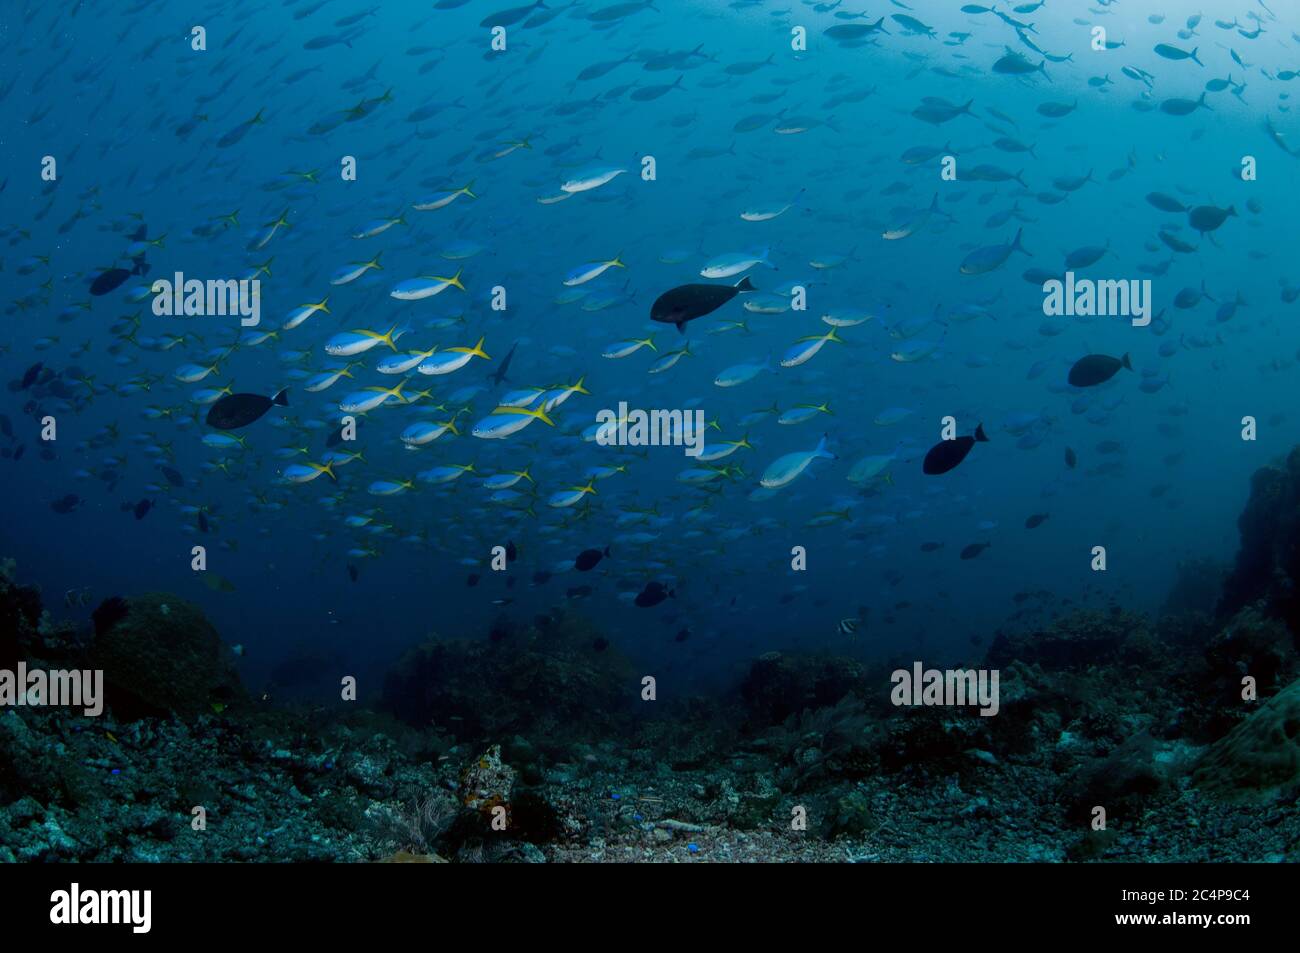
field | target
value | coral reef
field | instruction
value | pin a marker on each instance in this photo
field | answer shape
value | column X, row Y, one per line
column 1267, row 568
column 161, row 655
column 1260, row 759
column 778, row 685
column 526, row 746
column 542, row 683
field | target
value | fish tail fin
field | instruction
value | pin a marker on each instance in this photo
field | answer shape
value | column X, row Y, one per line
column 1017, row 246
column 1194, row 57
column 680, row 326
column 744, row 284
column 477, row 349
column 980, row 435
column 282, row 398
column 607, row 552
column 1126, row 362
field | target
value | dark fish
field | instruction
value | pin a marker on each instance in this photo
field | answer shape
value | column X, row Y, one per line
column 141, row 509
column 511, row 16
column 1070, row 459
column 688, row 302
column 1057, row 110
column 240, row 410
column 974, row 549
column 1207, row 218
column 66, row 504
column 30, row 375
column 1096, row 369
column 541, row 577
column 1038, row 519
column 173, row 475
column 499, row 374
column 1175, row 53
column 653, row 594
column 682, row 635
column 472, row 580
column 588, row 558
column 19, row 451
column 352, row 572
column 600, row 644
column 203, row 522
column 1166, row 203
column 946, row 454
column 849, row 32
column 511, row 553
column 109, row 613
column 115, row 277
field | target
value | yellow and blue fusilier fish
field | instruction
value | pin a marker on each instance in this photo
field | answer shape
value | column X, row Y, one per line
column 351, row 343
column 783, row 471
column 425, row 286
column 452, row 359
column 443, row 199
column 350, row 273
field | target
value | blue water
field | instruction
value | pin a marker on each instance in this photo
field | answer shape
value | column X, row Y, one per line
column 108, row 90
